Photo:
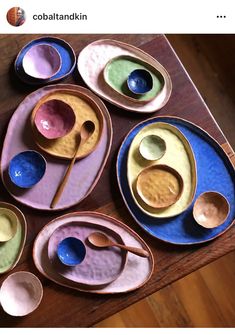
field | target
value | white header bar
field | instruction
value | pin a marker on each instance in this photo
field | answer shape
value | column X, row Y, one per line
column 122, row 16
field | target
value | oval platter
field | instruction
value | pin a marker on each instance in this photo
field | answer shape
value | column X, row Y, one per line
column 136, row 273
column 215, row 172
column 11, row 251
column 86, row 172
column 92, row 61
column 179, row 156
column 67, row 55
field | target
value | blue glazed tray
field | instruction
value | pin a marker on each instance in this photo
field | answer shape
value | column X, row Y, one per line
column 215, row 172
column 67, row 55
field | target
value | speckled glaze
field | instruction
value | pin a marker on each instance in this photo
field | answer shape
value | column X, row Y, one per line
column 92, row 61
column 100, row 266
column 136, row 273
column 85, row 173
column 54, row 119
column 8, row 224
column 42, row 61
column 21, row 293
column 27, row 168
column 11, row 250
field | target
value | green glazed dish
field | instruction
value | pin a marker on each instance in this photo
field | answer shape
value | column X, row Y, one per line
column 118, row 69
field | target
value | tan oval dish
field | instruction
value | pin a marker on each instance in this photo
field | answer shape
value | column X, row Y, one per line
column 178, row 155
column 92, row 61
column 159, row 186
column 211, row 209
column 21, row 293
column 8, row 224
column 85, row 109
column 152, row 147
column 128, row 94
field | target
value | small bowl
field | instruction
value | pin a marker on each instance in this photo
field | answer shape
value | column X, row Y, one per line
column 140, row 81
column 54, row 119
column 152, row 147
column 27, row 168
column 159, row 186
column 211, row 209
column 8, row 224
column 71, row 251
column 21, row 293
column 42, row 61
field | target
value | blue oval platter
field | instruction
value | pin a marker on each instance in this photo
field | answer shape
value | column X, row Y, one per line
column 67, row 55
column 215, row 172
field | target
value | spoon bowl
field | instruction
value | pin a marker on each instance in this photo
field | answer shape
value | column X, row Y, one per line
column 211, row 209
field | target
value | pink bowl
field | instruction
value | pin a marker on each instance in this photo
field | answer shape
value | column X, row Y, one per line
column 21, row 293
column 42, row 61
column 54, row 119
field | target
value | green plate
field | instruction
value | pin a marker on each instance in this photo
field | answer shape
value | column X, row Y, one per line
column 117, row 71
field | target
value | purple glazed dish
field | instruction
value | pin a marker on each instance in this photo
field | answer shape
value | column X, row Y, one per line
column 42, row 61
column 54, row 118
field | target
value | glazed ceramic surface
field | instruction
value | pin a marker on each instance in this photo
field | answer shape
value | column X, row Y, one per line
column 27, row 168
column 11, row 250
column 100, row 266
column 120, row 71
column 41, row 61
column 54, row 119
column 71, row 251
column 214, row 172
column 136, row 272
column 140, row 81
column 92, row 61
column 8, row 224
column 210, row 209
column 85, row 173
column 178, row 156
column 63, row 48
column 152, row 147
column 21, row 293
column 85, row 108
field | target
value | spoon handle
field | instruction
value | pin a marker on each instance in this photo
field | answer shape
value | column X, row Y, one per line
column 63, row 182
column 137, row 251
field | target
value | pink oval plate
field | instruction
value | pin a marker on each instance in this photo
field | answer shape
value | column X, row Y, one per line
column 101, row 266
column 54, row 118
column 21, row 293
column 42, row 61
column 136, row 273
column 86, row 172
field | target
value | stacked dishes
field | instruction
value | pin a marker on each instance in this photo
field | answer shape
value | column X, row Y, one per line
column 125, row 76
column 65, row 253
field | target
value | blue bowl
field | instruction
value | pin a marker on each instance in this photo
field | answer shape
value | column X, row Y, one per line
column 140, row 81
column 71, row 251
column 27, row 168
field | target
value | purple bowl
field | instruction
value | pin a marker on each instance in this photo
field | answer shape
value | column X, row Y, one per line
column 42, row 61
column 54, row 119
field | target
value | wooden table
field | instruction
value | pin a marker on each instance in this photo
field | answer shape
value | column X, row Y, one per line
column 63, row 307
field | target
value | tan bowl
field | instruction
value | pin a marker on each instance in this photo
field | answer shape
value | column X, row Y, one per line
column 159, row 186
column 211, row 209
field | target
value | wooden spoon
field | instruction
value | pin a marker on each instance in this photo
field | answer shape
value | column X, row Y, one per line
column 101, row 240
column 86, row 131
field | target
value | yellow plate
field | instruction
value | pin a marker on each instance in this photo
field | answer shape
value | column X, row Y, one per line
column 8, row 224
column 179, row 156
column 85, row 109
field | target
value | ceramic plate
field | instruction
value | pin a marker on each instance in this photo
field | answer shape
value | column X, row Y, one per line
column 10, row 251
column 214, row 172
column 136, row 273
column 85, row 173
column 117, row 71
column 67, row 55
column 85, row 109
column 178, row 155
column 101, row 265
column 92, row 61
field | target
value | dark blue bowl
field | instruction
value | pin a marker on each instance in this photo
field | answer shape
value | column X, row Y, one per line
column 140, row 81
column 71, row 251
column 27, row 168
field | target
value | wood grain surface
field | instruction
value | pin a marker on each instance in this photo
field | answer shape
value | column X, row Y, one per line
column 64, row 307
